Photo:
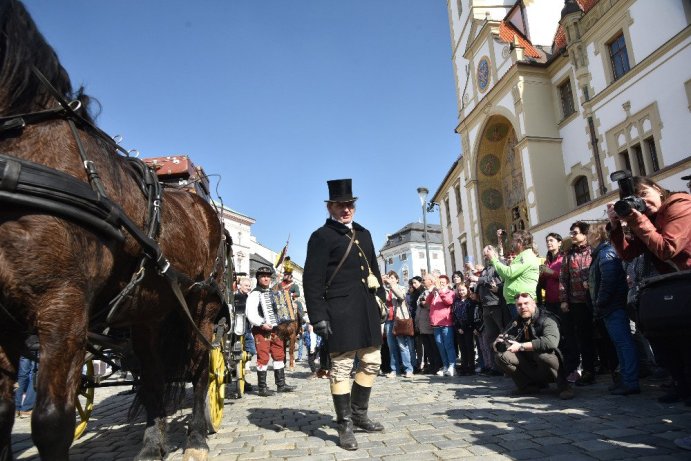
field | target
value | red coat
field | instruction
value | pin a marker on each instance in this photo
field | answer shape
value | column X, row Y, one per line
column 667, row 237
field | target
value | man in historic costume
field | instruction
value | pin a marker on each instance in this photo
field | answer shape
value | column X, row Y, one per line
column 341, row 280
column 267, row 342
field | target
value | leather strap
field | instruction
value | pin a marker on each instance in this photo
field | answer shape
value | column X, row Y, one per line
column 340, row 264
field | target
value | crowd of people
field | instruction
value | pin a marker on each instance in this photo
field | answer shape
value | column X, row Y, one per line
column 567, row 318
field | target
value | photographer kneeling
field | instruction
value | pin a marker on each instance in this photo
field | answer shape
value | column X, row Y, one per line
column 528, row 350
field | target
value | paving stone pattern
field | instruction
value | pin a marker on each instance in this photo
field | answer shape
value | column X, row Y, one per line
column 425, row 418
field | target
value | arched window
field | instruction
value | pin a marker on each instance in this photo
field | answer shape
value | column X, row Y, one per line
column 580, row 187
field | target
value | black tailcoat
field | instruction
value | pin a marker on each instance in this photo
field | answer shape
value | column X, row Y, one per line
column 348, row 304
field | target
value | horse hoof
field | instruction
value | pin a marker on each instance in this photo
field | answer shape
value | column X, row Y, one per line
column 195, row 454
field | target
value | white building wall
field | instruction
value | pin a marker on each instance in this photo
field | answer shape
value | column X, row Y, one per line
column 663, row 85
column 598, row 79
column 574, row 144
column 652, row 26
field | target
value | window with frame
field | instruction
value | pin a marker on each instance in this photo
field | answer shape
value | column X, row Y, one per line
column 403, row 257
column 452, row 257
column 459, row 7
column 435, row 255
column 390, row 261
column 448, row 211
column 625, row 160
column 464, row 250
column 566, row 97
column 618, row 56
column 652, row 153
column 582, row 191
column 421, row 255
column 459, row 206
column 638, row 155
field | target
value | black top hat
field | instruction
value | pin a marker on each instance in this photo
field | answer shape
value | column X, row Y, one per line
column 340, row 190
column 264, row 270
column 686, row 178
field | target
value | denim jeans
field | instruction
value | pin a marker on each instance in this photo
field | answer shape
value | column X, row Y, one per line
column 443, row 336
column 25, row 380
column 406, row 347
column 394, row 352
column 617, row 324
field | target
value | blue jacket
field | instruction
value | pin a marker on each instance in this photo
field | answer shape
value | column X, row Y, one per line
column 607, row 281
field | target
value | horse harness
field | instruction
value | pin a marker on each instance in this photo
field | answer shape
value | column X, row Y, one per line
column 28, row 184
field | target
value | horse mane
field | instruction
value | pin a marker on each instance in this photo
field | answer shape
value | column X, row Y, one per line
column 22, row 47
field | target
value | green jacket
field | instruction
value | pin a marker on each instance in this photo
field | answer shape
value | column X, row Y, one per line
column 521, row 276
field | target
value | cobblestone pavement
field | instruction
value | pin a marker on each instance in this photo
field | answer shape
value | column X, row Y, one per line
column 425, row 418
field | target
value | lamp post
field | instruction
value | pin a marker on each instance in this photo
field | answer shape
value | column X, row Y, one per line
column 422, row 192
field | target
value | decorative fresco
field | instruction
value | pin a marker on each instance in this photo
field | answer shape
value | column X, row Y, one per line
column 500, row 181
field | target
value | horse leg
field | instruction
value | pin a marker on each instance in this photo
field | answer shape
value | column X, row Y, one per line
column 196, row 448
column 151, row 394
column 8, row 371
column 62, row 336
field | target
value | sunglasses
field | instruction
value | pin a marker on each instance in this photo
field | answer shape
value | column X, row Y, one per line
column 523, row 295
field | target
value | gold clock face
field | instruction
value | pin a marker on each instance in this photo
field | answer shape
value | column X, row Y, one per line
column 483, row 74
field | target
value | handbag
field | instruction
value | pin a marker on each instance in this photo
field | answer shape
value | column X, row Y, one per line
column 402, row 323
column 664, row 304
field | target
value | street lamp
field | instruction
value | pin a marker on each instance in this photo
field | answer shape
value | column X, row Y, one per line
column 422, row 192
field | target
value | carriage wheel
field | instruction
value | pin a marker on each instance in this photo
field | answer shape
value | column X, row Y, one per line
column 216, row 393
column 240, row 370
column 84, row 403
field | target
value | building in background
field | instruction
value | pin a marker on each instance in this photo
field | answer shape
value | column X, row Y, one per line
column 404, row 252
column 248, row 254
column 553, row 97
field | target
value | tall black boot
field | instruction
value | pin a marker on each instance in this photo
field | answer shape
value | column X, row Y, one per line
column 261, row 384
column 359, row 396
column 280, row 376
column 344, row 422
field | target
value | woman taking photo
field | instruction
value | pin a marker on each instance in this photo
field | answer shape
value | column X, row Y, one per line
column 662, row 234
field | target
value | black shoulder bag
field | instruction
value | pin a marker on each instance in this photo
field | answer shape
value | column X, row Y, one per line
column 664, row 304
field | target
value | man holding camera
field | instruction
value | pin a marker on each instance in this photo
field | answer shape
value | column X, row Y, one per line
column 528, row 351
column 341, row 280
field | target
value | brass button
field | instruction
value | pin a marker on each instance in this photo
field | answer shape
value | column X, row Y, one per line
column 363, row 280
column 357, row 242
column 359, row 254
column 362, row 268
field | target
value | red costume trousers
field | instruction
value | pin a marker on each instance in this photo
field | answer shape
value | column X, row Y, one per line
column 268, row 345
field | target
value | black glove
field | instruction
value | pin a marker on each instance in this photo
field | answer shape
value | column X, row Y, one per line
column 322, row 328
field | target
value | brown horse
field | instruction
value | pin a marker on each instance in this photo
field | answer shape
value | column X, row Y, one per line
column 288, row 333
column 60, row 268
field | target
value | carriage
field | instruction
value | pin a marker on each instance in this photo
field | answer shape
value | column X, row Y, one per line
column 96, row 259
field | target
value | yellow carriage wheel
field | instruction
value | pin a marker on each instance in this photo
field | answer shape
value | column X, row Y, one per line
column 240, row 370
column 84, row 403
column 217, row 390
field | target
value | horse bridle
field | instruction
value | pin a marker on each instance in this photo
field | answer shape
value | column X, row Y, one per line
column 29, row 184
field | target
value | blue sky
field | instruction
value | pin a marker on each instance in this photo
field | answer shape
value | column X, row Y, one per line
column 276, row 96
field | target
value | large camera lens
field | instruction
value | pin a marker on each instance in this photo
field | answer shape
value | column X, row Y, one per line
column 622, row 208
column 501, row 346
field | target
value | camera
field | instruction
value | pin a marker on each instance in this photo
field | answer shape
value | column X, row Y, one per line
column 628, row 201
column 502, row 346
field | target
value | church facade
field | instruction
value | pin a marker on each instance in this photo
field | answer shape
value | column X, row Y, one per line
column 553, row 97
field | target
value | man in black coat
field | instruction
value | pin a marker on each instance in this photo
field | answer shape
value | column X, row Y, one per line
column 341, row 280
